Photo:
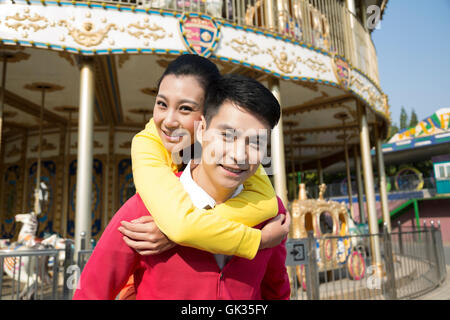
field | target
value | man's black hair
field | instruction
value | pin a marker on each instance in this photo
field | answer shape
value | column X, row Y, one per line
column 245, row 93
column 204, row 70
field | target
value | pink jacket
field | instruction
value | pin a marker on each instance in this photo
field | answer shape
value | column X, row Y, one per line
column 181, row 273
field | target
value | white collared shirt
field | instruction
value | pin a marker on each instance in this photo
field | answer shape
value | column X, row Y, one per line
column 201, row 199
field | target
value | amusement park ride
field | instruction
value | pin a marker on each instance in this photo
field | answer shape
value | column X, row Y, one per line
column 79, row 81
column 331, row 224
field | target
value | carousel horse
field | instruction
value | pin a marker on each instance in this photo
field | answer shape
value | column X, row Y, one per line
column 31, row 270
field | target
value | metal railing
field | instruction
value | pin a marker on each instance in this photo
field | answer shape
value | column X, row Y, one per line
column 50, row 274
column 325, row 24
column 342, row 268
column 405, row 183
column 339, row 268
column 25, row 274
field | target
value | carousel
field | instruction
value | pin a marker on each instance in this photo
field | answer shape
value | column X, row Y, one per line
column 79, row 81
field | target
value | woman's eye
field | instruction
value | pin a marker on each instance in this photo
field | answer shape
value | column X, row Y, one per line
column 186, row 108
column 161, row 104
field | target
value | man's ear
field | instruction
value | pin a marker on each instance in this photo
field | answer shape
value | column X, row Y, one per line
column 200, row 130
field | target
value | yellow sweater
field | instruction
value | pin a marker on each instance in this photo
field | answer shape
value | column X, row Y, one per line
column 226, row 229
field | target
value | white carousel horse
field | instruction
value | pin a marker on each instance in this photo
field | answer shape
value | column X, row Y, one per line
column 27, row 234
column 30, row 270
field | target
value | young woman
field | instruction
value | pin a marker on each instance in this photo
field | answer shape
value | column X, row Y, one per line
column 226, row 229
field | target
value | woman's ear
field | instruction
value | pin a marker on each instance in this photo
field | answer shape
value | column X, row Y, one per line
column 200, row 130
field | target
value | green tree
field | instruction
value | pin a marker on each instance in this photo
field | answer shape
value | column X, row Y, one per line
column 413, row 119
column 393, row 130
column 403, row 119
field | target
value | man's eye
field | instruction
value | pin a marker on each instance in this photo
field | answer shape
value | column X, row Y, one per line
column 254, row 144
column 228, row 136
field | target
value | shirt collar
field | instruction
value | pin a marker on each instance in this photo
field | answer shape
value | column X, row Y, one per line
column 200, row 198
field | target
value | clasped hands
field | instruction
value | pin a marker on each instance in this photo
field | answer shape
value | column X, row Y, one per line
column 144, row 236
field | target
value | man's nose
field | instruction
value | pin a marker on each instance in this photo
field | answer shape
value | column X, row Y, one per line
column 240, row 151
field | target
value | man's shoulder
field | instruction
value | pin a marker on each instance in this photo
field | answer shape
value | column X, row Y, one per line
column 134, row 208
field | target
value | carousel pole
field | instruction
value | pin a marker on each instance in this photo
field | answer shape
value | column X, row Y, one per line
column 65, row 198
column 319, row 171
column 382, row 175
column 349, row 178
column 2, row 106
column 370, row 190
column 2, row 100
column 277, row 148
column 359, row 185
column 83, row 208
column 343, row 116
column 300, row 139
column 269, row 14
column 37, row 205
column 291, row 147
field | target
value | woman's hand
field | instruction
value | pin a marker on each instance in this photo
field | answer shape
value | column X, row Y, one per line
column 143, row 235
column 275, row 231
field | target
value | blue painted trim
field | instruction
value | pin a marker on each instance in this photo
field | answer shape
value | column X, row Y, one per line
column 173, row 14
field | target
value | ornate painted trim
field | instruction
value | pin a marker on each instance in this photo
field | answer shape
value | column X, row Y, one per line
column 152, row 32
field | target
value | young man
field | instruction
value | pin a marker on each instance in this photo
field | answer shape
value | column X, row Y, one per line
column 239, row 114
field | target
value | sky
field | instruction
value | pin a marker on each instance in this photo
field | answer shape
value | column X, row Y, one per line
column 413, row 49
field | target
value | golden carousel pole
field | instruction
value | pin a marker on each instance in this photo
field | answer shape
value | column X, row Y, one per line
column 38, row 171
column 382, row 175
column 2, row 106
column 300, row 139
column 66, row 196
column 65, row 192
column 2, row 93
column 343, row 116
column 319, row 171
column 359, row 185
column 370, row 189
column 291, row 148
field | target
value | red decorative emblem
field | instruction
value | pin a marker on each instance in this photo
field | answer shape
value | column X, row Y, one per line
column 342, row 71
column 200, row 34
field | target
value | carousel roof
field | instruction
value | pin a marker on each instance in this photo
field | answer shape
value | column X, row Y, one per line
column 319, row 89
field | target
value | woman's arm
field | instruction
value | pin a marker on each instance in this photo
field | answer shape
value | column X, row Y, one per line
column 275, row 284
column 224, row 229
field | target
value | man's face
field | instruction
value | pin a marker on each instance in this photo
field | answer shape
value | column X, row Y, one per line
column 232, row 145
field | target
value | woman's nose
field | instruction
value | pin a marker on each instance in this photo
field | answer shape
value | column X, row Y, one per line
column 171, row 120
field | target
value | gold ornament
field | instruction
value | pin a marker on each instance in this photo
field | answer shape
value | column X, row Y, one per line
column 87, row 36
column 156, row 32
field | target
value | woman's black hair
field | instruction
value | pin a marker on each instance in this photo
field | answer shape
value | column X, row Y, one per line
column 204, row 70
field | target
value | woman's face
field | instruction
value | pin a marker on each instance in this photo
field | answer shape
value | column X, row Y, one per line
column 179, row 104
